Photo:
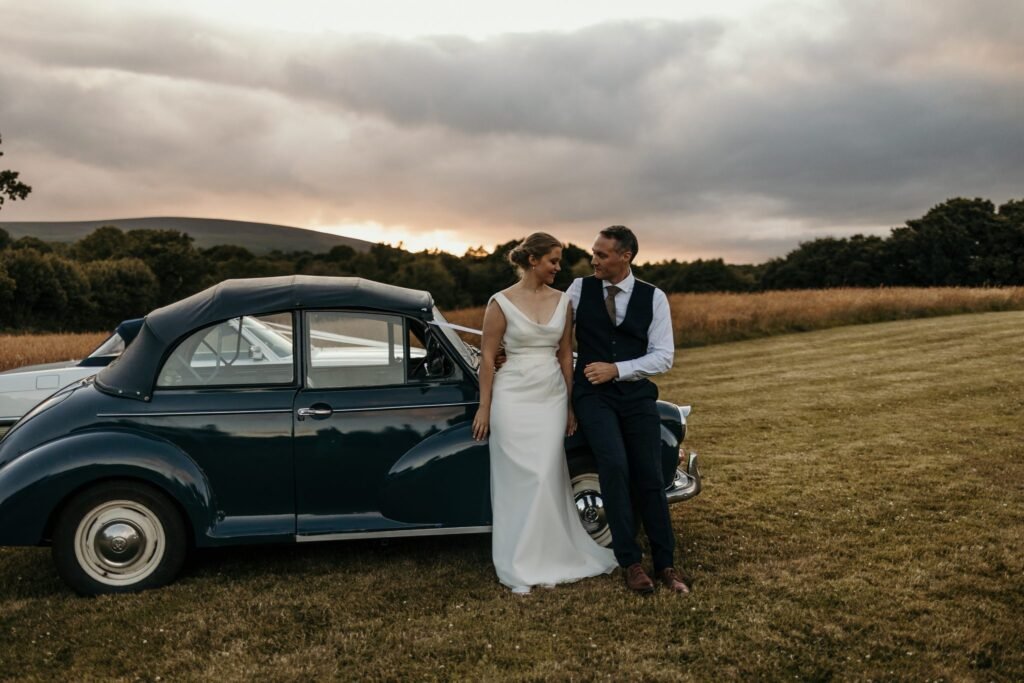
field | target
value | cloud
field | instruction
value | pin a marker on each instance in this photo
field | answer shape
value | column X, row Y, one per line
column 711, row 138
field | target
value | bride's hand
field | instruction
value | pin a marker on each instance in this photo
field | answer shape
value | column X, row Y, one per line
column 481, row 424
column 571, row 427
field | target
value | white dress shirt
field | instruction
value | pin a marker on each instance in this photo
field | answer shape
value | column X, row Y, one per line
column 660, row 344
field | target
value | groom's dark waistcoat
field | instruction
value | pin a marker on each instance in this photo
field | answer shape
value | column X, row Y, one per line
column 598, row 339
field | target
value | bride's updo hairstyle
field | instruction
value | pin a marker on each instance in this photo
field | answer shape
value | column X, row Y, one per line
column 536, row 245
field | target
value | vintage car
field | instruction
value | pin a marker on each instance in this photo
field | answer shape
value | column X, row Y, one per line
column 22, row 388
column 272, row 410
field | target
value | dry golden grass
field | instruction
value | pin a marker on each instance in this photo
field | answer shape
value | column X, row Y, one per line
column 698, row 319
column 702, row 319
column 861, row 520
column 17, row 350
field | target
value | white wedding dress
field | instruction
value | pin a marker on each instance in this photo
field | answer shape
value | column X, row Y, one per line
column 538, row 538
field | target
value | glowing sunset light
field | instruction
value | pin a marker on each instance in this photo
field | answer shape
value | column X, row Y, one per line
column 395, row 235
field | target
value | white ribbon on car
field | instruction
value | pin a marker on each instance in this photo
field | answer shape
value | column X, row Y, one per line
column 459, row 328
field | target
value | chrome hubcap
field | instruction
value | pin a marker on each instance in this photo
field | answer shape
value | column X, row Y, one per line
column 591, row 510
column 120, row 542
column 586, row 492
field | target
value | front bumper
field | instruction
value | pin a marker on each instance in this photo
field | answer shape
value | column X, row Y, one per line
column 686, row 484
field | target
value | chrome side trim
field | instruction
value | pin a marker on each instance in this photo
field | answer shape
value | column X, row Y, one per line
column 368, row 409
column 186, row 413
column 392, row 533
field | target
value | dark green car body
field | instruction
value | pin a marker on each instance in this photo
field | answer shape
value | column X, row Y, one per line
column 241, row 464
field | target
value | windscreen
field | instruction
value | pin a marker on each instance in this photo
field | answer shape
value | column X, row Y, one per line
column 469, row 352
column 113, row 346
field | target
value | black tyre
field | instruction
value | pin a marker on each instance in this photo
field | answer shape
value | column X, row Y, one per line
column 586, row 493
column 119, row 537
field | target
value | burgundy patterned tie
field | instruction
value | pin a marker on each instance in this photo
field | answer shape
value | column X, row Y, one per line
column 609, row 302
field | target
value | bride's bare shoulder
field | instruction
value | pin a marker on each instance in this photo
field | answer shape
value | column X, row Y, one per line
column 552, row 293
column 494, row 302
column 503, row 292
column 509, row 293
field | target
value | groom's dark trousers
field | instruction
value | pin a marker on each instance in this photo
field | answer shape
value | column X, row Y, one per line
column 621, row 424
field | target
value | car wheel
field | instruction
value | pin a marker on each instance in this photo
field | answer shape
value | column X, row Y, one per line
column 586, row 493
column 118, row 537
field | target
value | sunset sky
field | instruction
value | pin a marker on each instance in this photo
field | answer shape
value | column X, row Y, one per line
column 714, row 129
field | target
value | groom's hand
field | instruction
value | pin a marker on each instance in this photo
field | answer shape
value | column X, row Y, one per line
column 599, row 373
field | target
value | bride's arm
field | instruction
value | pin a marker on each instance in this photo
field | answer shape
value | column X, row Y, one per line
column 493, row 332
column 565, row 361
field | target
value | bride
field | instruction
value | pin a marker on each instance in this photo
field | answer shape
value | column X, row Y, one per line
column 537, row 536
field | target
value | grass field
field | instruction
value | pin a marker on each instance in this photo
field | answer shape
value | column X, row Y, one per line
column 702, row 319
column 862, row 517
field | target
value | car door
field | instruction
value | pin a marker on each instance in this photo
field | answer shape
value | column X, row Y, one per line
column 224, row 396
column 382, row 404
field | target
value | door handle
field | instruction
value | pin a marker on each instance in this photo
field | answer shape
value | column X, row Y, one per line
column 315, row 413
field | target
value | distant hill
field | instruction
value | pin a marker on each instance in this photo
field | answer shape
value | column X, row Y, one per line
column 259, row 238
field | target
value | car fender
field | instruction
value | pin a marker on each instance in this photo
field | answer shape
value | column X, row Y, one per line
column 443, row 480
column 672, row 433
column 34, row 485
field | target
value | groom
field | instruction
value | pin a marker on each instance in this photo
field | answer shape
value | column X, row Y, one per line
column 624, row 335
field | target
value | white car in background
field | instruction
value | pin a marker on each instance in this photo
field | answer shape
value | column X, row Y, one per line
column 22, row 388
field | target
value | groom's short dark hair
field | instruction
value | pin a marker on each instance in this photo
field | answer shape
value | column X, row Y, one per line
column 624, row 236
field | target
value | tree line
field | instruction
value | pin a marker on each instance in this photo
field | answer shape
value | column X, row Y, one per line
column 959, row 243
column 111, row 275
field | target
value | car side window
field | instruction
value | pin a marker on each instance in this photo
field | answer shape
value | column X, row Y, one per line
column 354, row 349
column 244, row 351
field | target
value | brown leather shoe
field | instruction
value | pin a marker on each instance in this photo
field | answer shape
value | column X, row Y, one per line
column 670, row 580
column 637, row 579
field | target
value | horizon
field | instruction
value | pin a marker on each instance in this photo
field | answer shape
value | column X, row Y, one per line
column 731, row 130
column 488, row 248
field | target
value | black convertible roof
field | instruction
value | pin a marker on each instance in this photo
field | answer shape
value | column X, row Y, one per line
column 133, row 375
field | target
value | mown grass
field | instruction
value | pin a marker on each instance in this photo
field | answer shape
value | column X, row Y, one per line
column 702, row 319
column 861, row 519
